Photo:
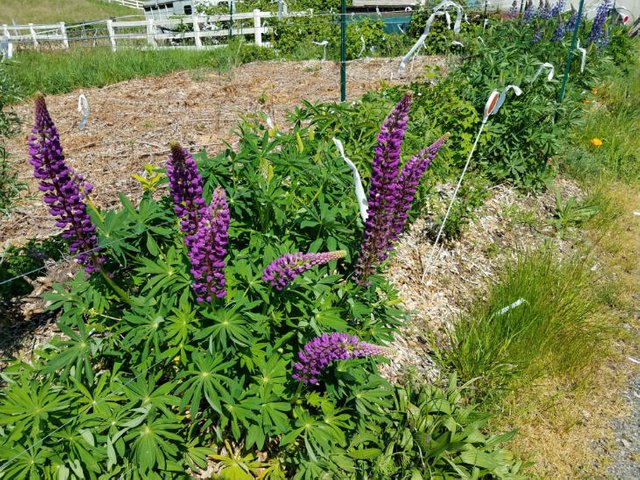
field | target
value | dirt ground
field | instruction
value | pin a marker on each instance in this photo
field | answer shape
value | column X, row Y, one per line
column 131, row 123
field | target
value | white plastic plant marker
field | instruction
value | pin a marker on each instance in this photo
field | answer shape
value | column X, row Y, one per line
column 503, row 96
column 83, row 109
column 637, row 213
column 357, row 182
column 456, row 43
column 548, row 66
column 322, row 44
column 634, row 360
column 515, row 304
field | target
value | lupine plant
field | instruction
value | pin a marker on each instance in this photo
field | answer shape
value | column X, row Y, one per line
column 173, row 379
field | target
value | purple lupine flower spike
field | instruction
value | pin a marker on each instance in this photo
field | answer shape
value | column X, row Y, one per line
column 529, row 13
column 205, row 226
column 557, row 9
column 408, row 181
column 64, row 191
column 208, row 249
column 186, row 188
column 282, row 271
column 321, row 351
column 544, row 12
column 597, row 29
column 513, row 11
column 573, row 20
column 558, row 33
column 383, row 190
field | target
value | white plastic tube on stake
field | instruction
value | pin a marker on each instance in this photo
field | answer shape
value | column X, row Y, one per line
column 83, row 109
column 357, row 182
column 548, row 66
column 494, row 102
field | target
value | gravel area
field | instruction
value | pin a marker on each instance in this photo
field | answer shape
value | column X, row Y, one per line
column 626, row 459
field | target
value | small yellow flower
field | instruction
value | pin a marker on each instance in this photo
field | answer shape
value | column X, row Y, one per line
column 594, row 91
column 585, row 101
column 596, row 142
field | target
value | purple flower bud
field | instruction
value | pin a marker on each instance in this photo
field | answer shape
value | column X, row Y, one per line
column 65, row 192
column 573, row 20
column 282, row 271
column 557, row 9
column 408, row 181
column 205, row 226
column 321, row 351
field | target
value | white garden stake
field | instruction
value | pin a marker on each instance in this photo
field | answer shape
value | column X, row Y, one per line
column 357, row 182
column 494, row 102
column 542, row 67
column 83, row 109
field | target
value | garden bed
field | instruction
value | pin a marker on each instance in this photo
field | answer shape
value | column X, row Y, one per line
column 131, row 123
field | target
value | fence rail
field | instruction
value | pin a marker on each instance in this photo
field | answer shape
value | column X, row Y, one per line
column 196, row 31
column 129, row 3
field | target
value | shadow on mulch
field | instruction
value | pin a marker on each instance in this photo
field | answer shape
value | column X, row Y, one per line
column 19, row 335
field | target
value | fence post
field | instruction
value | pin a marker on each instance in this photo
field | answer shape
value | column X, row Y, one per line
column 112, row 34
column 33, row 35
column 63, row 33
column 257, row 29
column 196, row 31
column 151, row 38
column 5, row 29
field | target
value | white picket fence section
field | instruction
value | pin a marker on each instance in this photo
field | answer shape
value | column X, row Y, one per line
column 195, row 32
column 128, row 3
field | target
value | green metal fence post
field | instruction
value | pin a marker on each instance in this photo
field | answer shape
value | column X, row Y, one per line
column 343, row 51
column 571, row 50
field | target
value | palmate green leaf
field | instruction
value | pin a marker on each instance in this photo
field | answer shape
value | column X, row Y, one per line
column 28, row 461
column 30, row 407
column 167, row 273
column 80, row 453
column 75, row 354
column 142, row 333
column 229, row 326
column 144, row 392
column 154, row 443
column 203, row 380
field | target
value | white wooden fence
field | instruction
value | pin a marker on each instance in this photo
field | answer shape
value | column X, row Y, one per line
column 129, row 3
column 197, row 32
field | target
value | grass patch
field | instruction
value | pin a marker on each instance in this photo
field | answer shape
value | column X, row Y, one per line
column 552, row 332
column 52, row 11
column 64, row 71
column 613, row 118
